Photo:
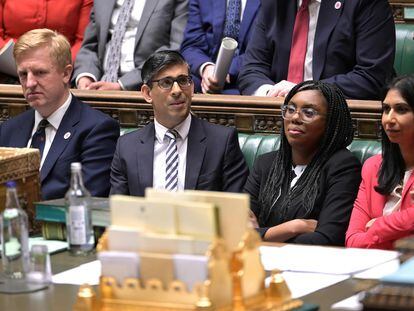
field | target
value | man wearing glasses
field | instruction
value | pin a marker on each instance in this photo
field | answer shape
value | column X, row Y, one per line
column 177, row 151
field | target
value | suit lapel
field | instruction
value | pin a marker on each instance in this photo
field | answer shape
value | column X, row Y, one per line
column 285, row 21
column 328, row 17
column 103, row 12
column 248, row 17
column 145, row 156
column 146, row 14
column 70, row 119
column 196, row 149
column 20, row 137
column 219, row 17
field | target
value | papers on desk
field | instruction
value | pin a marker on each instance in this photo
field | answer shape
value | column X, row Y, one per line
column 321, row 259
column 88, row 273
column 301, row 284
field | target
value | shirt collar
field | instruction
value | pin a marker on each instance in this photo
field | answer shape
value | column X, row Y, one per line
column 183, row 129
column 56, row 117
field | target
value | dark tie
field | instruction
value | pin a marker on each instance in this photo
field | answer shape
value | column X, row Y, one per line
column 171, row 173
column 299, row 44
column 232, row 23
column 114, row 46
column 39, row 137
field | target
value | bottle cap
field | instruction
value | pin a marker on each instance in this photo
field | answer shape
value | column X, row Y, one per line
column 11, row 184
column 75, row 166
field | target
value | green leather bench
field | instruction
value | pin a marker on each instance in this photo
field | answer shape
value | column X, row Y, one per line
column 404, row 52
column 253, row 145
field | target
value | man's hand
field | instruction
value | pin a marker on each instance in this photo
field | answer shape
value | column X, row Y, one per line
column 104, row 86
column 281, row 89
column 84, row 82
column 208, row 83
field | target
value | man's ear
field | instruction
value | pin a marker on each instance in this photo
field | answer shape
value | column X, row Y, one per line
column 67, row 73
column 146, row 92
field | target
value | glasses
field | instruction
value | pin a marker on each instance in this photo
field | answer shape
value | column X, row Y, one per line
column 168, row 82
column 306, row 114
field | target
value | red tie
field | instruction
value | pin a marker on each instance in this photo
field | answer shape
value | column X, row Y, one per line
column 299, row 44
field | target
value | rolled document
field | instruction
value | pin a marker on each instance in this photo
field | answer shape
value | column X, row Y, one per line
column 224, row 58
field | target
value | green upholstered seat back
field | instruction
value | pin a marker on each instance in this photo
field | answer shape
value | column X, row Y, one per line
column 404, row 53
column 253, row 145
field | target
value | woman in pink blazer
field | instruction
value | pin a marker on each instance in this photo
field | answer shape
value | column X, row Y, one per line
column 384, row 209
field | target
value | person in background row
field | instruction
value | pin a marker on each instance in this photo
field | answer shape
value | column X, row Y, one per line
column 121, row 35
column 347, row 43
column 63, row 128
column 177, row 151
column 304, row 192
column 384, row 209
column 209, row 21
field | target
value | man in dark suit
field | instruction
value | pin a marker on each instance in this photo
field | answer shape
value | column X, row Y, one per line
column 206, row 27
column 62, row 127
column 177, row 151
column 151, row 26
column 350, row 44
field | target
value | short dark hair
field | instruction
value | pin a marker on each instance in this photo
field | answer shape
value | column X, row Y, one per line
column 393, row 165
column 338, row 134
column 158, row 61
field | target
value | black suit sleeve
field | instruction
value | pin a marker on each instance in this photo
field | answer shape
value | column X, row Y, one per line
column 97, row 152
column 235, row 169
column 119, row 178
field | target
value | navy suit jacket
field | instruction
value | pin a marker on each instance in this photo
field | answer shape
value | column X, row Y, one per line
column 214, row 160
column 204, row 31
column 92, row 142
column 354, row 46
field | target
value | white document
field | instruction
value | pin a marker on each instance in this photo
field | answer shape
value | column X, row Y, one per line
column 224, row 58
column 323, row 259
column 379, row 271
column 351, row 303
column 190, row 269
column 301, row 284
column 88, row 273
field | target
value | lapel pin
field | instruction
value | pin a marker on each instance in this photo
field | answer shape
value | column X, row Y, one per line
column 338, row 5
column 67, row 135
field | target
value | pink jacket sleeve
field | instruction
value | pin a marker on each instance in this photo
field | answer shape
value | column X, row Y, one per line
column 369, row 204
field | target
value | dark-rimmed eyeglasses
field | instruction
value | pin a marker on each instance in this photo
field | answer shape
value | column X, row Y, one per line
column 167, row 83
column 306, row 114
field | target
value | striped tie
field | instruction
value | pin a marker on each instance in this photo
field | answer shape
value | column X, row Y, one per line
column 171, row 176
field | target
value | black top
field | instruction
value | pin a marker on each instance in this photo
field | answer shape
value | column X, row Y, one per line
column 339, row 182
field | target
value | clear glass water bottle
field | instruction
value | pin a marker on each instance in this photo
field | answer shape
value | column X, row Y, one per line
column 79, row 228
column 14, row 236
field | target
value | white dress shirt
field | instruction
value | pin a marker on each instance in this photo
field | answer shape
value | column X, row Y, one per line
column 50, row 131
column 314, row 6
column 160, row 148
column 393, row 203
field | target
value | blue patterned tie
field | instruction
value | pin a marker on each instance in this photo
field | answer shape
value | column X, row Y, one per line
column 232, row 23
column 114, row 46
column 39, row 137
column 171, row 174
